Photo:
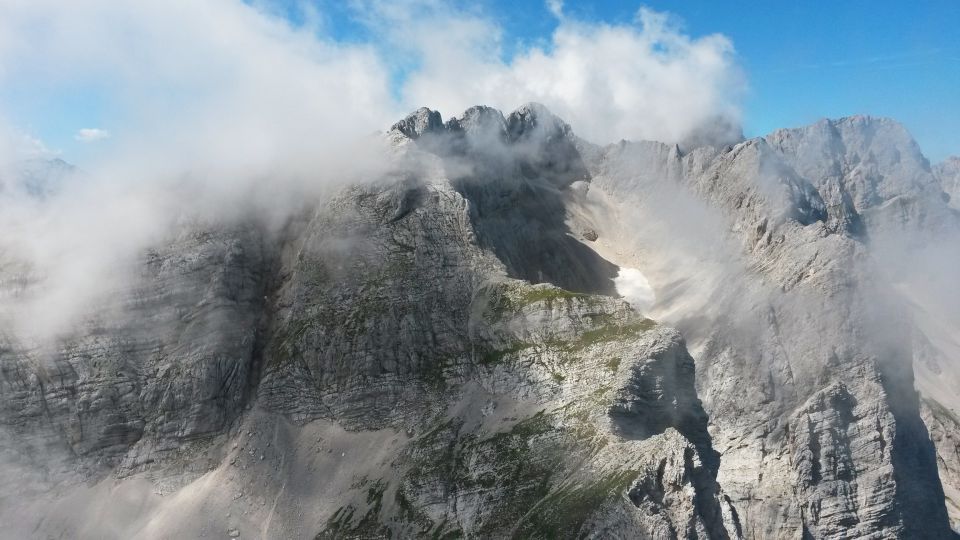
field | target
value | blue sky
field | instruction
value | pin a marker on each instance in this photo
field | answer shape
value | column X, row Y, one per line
column 801, row 60
column 807, row 60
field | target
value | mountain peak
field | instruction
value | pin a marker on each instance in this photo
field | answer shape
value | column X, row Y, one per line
column 480, row 120
column 535, row 119
column 419, row 122
column 529, row 120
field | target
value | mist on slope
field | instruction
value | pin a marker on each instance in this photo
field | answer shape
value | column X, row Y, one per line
column 634, row 287
column 920, row 266
column 750, row 258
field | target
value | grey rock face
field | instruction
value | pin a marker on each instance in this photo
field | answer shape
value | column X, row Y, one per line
column 162, row 365
column 420, row 122
column 480, row 122
column 443, row 352
column 866, row 169
column 948, row 174
column 944, row 426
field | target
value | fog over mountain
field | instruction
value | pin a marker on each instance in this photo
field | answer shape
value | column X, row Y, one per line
column 440, row 348
column 276, row 306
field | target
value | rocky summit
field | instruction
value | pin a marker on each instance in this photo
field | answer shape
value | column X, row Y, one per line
column 515, row 333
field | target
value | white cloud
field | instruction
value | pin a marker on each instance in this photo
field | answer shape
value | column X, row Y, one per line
column 556, row 8
column 201, row 84
column 647, row 80
column 88, row 135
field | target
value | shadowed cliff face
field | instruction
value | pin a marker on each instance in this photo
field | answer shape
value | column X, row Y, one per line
column 514, row 172
column 441, row 352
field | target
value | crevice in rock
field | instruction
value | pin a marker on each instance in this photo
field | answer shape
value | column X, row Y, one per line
column 920, row 506
column 270, row 281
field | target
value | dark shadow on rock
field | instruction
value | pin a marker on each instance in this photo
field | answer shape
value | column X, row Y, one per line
column 660, row 393
column 522, row 222
column 514, row 172
column 919, row 492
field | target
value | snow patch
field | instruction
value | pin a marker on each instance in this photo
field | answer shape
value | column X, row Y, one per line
column 633, row 286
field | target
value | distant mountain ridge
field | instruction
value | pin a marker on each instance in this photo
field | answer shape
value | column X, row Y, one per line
column 38, row 177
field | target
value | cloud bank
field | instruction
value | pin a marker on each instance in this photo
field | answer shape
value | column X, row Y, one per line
column 221, row 108
column 646, row 80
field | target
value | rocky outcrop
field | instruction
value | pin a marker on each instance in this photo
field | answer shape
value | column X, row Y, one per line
column 422, row 122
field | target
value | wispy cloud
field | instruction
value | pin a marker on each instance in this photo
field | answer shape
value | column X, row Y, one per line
column 928, row 57
column 89, row 135
column 556, row 8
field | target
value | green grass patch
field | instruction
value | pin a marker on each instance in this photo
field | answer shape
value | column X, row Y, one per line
column 563, row 512
column 615, row 332
column 507, row 301
column 603, row 334
column 612, row 363
column 546, row 294
column 495, row 356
